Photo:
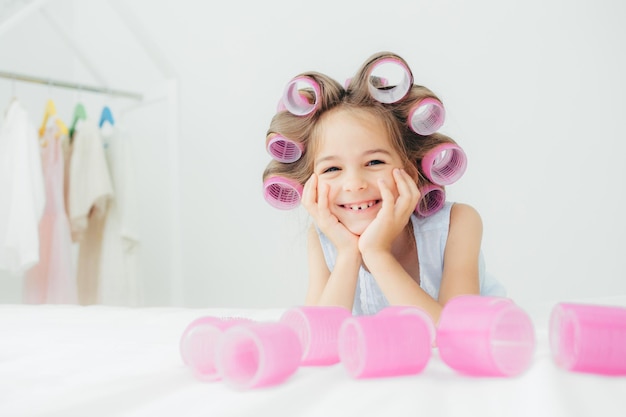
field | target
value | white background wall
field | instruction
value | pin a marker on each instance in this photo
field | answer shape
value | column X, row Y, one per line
column 534, row 90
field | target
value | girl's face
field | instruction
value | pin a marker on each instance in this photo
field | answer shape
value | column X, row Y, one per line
column 354, row 150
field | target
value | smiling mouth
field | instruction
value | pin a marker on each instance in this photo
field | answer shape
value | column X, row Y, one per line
column 361, row 206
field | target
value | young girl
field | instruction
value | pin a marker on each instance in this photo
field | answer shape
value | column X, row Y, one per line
column 358, row 159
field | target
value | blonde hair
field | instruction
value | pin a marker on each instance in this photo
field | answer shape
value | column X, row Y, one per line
column 356, row 98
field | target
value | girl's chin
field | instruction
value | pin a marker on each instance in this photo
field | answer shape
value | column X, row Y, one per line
column 356, row 229
column 356, row 223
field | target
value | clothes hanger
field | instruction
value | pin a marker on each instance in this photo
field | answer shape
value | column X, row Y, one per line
column 106, row 116
column 79, row 114
column 63, row 130
column 51, row 111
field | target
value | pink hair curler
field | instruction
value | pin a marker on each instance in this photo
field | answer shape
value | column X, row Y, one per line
column 444, row 164
column 295, row 101
column 376, row 81
column 283, row 149
column 280, row 106
column 258, row 355
column 485, row 336
column 432, row 200
column 389, row 80
column 589, row 338
column 384, row 345
column 427, row 116
column 282, row 193
column 318, row 330
column 412, row 310
column 198, row 343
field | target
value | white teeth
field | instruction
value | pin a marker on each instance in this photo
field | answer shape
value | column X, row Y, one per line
column 361, row 206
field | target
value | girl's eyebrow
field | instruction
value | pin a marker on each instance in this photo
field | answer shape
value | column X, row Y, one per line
column 379, row 150
column 366, row 153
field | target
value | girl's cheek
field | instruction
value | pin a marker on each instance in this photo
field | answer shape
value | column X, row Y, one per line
column 390, row 182
column 325, row 186
column 331, row 191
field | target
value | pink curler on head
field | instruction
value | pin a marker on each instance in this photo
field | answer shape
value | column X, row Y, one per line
column 589, row 338
column 431, row 201
column 444, row 164
column 258, row 355
column 318, row 330
column 384, row 345
column 427, row 116
column 389, row 80
column 283, row 149
column 199, row 341
column 485, row 336
column 280, row 106
column 296, row 101
column 282, row 193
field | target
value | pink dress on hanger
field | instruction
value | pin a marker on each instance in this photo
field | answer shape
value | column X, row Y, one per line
column 53, row 279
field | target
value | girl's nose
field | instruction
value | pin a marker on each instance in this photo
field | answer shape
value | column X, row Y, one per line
column 354, row 182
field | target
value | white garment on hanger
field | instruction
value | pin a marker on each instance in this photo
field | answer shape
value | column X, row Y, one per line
column 90, row 191
column 119, row 277
column 22, row 196
column 89, row 178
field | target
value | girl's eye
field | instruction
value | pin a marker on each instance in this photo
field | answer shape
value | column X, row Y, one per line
column 375, row 162
column 330, row 169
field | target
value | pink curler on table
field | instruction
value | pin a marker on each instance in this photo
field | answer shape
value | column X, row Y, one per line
column 427, row 116
column 295, row 99
column 282, row 193
column 384, row 345
column 588, row 338
column 413, row 310
column 444, row 164
column 318, row 330
column 431, row 201
column 257, row 355
column 485, row 336
column 198, row 343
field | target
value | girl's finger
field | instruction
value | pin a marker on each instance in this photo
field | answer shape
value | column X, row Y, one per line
column 387, row 195
column 402, row 181
column 406, row 184
column 309, row 193
column 322, row 198
column 407, row 188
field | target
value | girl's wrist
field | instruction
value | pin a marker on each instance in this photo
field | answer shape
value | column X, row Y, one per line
column 349, row 253
column 376, row 255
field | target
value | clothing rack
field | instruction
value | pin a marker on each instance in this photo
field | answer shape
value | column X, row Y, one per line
column 169, row 90
column 73, row 86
